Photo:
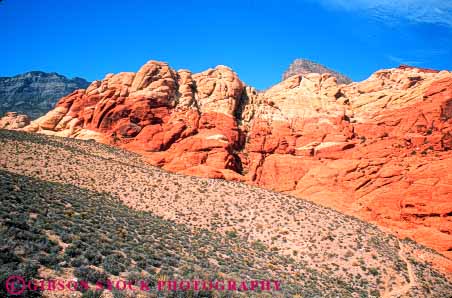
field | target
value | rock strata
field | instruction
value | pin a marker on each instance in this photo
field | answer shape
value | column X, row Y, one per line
column 35, row 93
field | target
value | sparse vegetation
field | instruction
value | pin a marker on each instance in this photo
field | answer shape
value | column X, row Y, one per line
column 97, row 212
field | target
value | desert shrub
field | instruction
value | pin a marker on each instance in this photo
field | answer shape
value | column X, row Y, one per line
column 172, row 261
column 134, row 277
column 142, row 264
column 259, row 245
column 92, row 294
column 73, row 251
column 118, row 294
column 374, row 271
column 115, row 264
column 79, row 261
column 155, row 262
column 27, row 270
column 105, row 250
column 231, row 234
column 48, row 260
column 7, row 256
column 93, row 257
column 66, row 237
column 90, row 275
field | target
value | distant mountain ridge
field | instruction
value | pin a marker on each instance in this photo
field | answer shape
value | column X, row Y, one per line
column 305, row 66
column 34, row 93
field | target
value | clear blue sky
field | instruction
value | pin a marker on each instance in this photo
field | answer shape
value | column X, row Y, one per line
column 258, row 39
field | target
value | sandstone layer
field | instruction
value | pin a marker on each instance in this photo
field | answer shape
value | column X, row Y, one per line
column 378, row 149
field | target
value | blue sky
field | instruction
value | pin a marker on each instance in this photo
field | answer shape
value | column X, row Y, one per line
column 258, row 39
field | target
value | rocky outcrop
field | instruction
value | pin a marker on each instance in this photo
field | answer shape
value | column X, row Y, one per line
column 378, row 149
column 12, row 120
column 35, row 93
column 304, row 67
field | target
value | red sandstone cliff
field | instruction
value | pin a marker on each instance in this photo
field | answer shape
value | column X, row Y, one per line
column 378, row 149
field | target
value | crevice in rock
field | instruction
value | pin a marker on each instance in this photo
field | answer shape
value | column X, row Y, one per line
column 242, row 102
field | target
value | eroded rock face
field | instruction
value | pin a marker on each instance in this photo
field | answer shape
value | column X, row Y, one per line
column 379, row 149
column 12, row 120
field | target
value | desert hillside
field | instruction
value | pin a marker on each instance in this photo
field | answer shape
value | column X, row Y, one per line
column 79, row 208
column 379, row 149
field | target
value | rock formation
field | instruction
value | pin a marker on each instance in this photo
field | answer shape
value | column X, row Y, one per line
column 378, row 149
column 35, row 93
column 12, row 120
column 304, row 66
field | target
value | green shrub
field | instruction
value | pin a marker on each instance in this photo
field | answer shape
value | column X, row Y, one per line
column 91, row 275
column 48, row 260
column 114, row 264
column 374, row 271
column 79, row 261
column 93, row 257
